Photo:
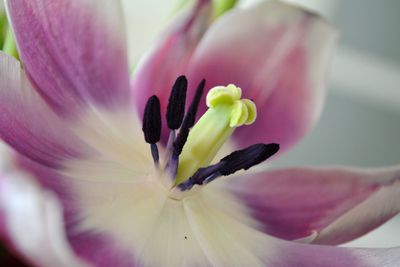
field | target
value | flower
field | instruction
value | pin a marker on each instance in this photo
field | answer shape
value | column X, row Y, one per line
column 94, row 195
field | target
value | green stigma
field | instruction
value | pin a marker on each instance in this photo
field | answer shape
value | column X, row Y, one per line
column 226, row 112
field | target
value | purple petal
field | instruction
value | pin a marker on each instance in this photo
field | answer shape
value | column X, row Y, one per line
column 169, row 59
column 73, row 51
column 278, row 54
column 44, row 243
column 26, row 122
column 100, row 251
column 324, row 206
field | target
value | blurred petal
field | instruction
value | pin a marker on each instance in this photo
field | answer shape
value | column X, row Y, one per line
column 169, row 58
column 8, row 259
column 44, row 242
column 301, row 255
column 28, row 124
column 278, row 54
column 320, row 205
column 100, row 250
column 74, row 51
column 94, row 246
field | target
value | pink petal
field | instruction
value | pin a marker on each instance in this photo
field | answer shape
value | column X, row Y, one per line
column 324, row 206
column 28, row 124
column 73, row 51
column 278, row 54
column 169, row 58
column 43, row 243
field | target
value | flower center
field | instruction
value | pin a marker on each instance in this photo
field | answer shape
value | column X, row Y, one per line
column 190, row 151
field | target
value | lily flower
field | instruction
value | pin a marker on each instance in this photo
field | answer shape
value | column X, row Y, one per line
column 101, row 185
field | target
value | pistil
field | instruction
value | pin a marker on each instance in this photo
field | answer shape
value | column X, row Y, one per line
column 226, row 112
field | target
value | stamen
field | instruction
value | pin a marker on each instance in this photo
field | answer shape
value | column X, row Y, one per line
column 175, row 112
column 171, row 140
column 176, row 104
column 241, row 159
column 152, row 125
column 200, row 176
column 154, row 154
column 189, row 120
column 247, row 158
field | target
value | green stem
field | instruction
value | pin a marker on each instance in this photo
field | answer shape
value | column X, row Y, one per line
column 3, row 27
column 9, row 45
column 222, row 6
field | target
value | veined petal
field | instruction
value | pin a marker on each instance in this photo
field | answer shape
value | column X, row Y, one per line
column 116, row 136
column 158, row 70
column 74, row 51
column 320, row 205
column 44, row 242
column 225, row 240
column 278, row 54
column 28, row 124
